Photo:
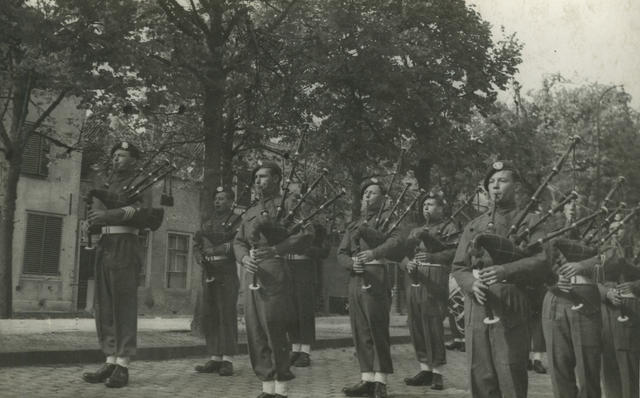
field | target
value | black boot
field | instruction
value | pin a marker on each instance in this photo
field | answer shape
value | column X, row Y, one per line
column 362, row 389
column 119, row 378
column 210, row 366
column 265, row 395
column 451, row 345
column 302, row 361
column 100, row 375
column 538, row 367
column 380, row 390
column 423, row 378
column 462, row 347
column 293, row 357
column 226, row 369
column 437, row 383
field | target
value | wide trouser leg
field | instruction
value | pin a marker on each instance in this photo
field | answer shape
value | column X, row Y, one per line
column 573, row 348
column 125, row 309
column 304, row 327
column 266, row 320
column 537, row 336
column 611, row 376
column 219, row 310
column 416, row 326
column 628, row 363
column 369, row 315
column 104, row 311
column 497, row 356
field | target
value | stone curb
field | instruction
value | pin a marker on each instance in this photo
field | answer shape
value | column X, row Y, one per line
column 32, row 358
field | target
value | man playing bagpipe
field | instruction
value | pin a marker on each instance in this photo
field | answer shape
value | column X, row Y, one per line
column 571, row 320
column 213, row 244
column 431, row 252
column 496, row 305
column 118, row 262
column 363, row 251
column 620, row 308
column 261, row 244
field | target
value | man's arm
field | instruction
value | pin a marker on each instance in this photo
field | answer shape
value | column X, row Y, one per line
column 344, row 251
column 461, row 266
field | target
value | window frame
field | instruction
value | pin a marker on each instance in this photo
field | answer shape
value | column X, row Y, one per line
column 188, row 253
column 41, row 274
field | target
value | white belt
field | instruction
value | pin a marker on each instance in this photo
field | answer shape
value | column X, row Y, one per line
column 219, row 258
column 375, row 262
column 119, row 229
column 628, row 295
column 431, row 265
column 298, row 257
column 581, row 280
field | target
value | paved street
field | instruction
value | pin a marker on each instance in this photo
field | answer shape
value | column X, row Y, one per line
column 332, row 369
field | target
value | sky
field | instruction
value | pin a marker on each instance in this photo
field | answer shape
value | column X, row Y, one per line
column 584, row 40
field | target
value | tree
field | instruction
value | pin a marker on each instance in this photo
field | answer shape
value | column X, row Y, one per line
column 379, row 71
column 48, row 54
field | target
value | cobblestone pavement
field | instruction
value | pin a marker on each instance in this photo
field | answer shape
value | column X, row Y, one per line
column 331, row 370
column 172, row 333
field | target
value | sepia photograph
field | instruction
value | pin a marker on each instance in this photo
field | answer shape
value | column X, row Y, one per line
column 320, row 198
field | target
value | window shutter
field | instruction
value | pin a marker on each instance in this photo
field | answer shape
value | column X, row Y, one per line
column 42, row 244
column 35, row 159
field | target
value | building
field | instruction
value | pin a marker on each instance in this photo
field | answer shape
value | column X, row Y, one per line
column 46, row 220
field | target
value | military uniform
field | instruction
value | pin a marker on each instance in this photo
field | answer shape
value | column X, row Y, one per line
column 498, row 353
column 620, row 340
column 427, row 299
column 117, row 268
column 268, row 309
column 219, row 289
column 369, row 309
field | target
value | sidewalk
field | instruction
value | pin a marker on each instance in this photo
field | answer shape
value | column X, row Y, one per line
column 64, row 341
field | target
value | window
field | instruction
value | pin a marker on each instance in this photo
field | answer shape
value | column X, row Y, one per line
column 42, row 244
column 35, row 160
column 144, row 239
column 177, row 261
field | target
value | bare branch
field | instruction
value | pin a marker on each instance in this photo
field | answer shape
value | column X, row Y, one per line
column 6, row 104
column 283, row 15
column 197, row 20
column 47, row 111
column 178, row 16
column 57, row 142
column 235, row 20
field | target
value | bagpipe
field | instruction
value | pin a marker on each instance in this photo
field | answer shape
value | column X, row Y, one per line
column 222, row 235
column 515, row 246
column 284, row 224
column 576, row 250
column 376, row 233
column 439, row 242
column 143, row 218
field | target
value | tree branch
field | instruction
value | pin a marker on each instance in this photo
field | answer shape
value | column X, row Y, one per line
column 178, row 16
column 235, row 20
column 283, row 15
column 47, row 111
column 197, row 20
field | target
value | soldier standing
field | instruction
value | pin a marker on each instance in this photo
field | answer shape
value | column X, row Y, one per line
column 117, row 269
column 363, row 251
column 428, row 269
column 268, row 302
column 219, row 285
column 497, row 352
column 572, row 331
column 620, row 317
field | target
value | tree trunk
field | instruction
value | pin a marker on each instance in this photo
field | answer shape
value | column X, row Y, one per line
column 423, row 173
column 7, row 214
column 356, row 178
